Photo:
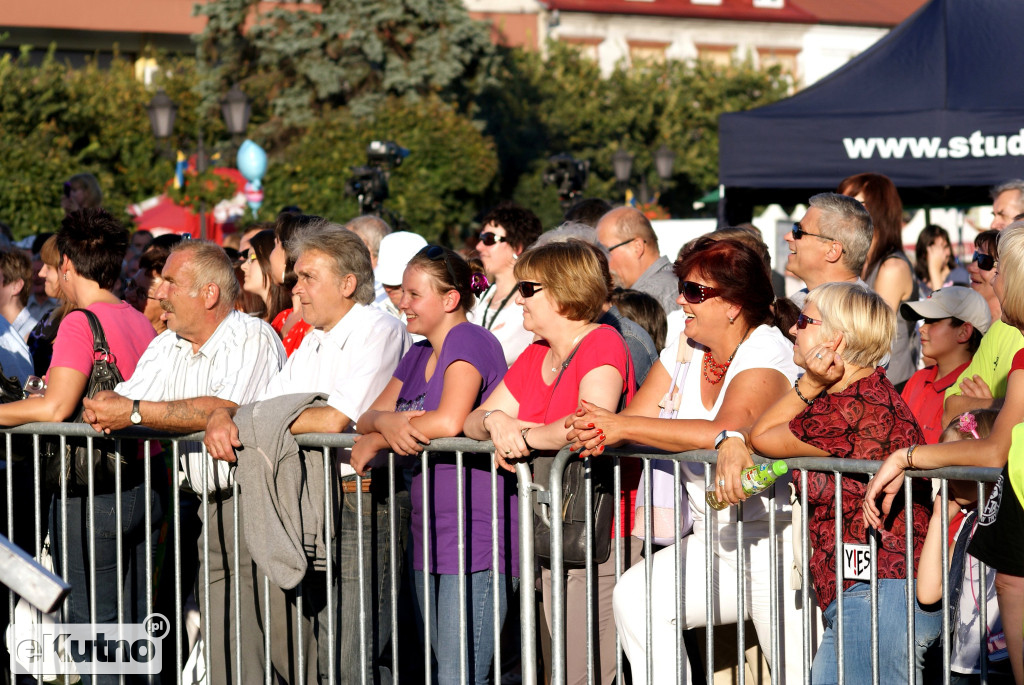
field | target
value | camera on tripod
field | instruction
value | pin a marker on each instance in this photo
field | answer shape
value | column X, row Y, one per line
column 568, row 175
column 369, row 184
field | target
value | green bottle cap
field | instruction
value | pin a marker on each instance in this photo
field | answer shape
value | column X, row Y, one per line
column 779, row 467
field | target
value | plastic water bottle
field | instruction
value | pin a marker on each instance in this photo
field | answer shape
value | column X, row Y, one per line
column 753, row 480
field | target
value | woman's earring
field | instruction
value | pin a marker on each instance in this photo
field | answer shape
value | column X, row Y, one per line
column 65, row 275
column 732, row 320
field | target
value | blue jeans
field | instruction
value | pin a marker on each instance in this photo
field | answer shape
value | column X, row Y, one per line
column 892, row 635
column 444, row 622
column 377, row 572
column 135, row 547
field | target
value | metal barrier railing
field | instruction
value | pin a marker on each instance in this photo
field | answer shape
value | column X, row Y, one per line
column 834, row 466
column 528, row 492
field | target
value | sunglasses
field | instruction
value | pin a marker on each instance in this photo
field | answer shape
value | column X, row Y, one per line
column 436, row 253
column 985, row 262
column 695, row 293
column 799, row 232
column 803, row 320
column 490, row 238
column 529, row 288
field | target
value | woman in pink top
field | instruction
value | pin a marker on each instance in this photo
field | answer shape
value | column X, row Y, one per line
column 91, row 243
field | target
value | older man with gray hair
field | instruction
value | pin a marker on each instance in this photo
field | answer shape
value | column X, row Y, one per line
column 1007, row 203
column 210, row 356
column 348, row 356
column 829, row 244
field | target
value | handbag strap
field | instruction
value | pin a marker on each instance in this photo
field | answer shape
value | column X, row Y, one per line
column 103, row 361
column 623, row 398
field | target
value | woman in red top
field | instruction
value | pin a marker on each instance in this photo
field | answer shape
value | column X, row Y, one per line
column 561, row 288
column 843, row 406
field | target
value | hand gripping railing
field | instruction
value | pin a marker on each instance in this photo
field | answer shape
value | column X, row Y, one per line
column 835, row 466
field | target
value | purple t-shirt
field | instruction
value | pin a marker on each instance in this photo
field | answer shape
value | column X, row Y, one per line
column 477, row 346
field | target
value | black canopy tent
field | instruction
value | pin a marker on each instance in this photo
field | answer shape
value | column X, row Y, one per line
column 937, row 105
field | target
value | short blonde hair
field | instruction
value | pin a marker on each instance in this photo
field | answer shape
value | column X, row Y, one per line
column 1011, row 270
column 867, row 323
column 570, row 273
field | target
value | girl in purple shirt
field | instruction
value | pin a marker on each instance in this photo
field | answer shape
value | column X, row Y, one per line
column 435, row 387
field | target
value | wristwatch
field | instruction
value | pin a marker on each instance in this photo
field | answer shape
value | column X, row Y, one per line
column 136, row 416
column 721, row 437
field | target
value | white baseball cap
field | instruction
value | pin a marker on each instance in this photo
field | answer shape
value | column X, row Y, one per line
column 956, row 301
column 396, row 249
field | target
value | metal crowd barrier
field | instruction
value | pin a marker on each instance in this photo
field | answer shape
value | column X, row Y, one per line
column 530, row 493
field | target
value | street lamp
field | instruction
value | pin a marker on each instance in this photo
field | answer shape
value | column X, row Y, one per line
column 235, row 109
column 622, row 165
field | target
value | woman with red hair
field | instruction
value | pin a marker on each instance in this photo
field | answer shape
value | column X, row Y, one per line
column 735, row 364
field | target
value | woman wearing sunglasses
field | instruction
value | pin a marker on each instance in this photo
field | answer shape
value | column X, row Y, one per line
column 735, row 364
column 508, row 229
column 562, row 290
column 844, row 406
column 981, row 269
column 434, row 388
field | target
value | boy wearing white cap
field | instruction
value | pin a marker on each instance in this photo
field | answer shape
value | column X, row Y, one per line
column 954, row 320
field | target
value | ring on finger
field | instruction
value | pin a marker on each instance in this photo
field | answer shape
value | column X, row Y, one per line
column 508, row 451
column 721, row 483
column 818, row 355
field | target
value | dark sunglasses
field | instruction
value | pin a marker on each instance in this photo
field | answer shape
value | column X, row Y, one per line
column 695, row 293
column 803, row 320
column 529, row 288
column 985, row 262
column 436, row 253
column 799, row 232
column 490, row 238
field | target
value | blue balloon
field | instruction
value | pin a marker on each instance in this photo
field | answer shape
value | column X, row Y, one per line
column 252, row 161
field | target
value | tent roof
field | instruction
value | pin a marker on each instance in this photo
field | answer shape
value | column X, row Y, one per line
column 936, row 105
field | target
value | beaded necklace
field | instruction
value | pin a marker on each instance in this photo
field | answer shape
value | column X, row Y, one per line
column 715, row 372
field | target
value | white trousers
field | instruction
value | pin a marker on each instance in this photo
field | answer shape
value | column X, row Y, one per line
column 629, row 604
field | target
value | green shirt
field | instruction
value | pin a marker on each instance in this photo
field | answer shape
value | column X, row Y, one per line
column 992, row 360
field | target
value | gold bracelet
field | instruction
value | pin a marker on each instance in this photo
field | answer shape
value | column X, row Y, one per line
column 910, row 456
column 523, row 434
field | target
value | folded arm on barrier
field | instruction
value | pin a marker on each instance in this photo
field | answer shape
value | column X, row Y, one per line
column 109, row 411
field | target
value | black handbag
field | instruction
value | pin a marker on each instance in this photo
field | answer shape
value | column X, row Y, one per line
column 73, row 461
column 574, row 503
column 10, row 388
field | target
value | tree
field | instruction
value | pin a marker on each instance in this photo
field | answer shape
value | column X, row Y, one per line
column 436, row 190
column 341, row 53
column 545, row 106
column 56, row 121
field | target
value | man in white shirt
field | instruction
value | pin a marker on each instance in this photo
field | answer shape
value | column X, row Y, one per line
column 350, row 356
column 211, row 356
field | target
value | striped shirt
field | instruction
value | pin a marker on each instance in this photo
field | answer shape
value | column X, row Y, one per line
column 234, row 364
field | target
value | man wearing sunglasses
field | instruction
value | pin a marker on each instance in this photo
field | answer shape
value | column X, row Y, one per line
column 634, row 257
column 829, row 244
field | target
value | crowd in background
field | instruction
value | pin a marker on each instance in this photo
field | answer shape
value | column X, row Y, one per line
column 583, row 335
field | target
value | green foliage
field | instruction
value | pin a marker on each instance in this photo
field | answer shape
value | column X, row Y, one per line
column 560, row 104
column 436, row 190
column 341, row 53
column 54, row 122
column 480, row 122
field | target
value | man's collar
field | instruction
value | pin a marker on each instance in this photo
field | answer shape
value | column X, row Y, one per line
column 219, row 332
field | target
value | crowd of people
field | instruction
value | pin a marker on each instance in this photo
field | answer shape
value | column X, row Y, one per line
column 583, row 336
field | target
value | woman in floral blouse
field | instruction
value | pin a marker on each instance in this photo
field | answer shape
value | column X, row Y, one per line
column 844, row 406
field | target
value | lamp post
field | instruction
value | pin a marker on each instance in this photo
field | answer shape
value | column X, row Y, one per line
column 622, row 165
column 235, row 109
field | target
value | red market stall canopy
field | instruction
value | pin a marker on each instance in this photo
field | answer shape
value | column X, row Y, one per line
column 162, row 215
column 936, row 105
